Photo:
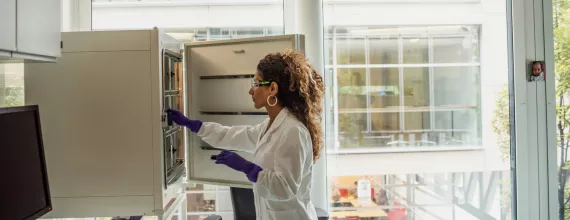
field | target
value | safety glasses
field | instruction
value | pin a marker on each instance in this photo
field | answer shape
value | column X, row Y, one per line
column 255, row 83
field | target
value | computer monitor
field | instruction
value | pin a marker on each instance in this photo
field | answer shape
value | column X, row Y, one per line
column 24, row 189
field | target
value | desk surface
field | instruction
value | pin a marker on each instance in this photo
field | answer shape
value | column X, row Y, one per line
column 361, row 213
column 355, row 203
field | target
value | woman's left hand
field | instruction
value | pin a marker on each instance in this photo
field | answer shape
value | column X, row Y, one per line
column 236, row 162
column 232, row 160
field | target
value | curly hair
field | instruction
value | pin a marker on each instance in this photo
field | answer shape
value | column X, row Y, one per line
column 301, row 90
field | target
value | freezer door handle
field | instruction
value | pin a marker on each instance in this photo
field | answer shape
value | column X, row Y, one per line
column 169, row 118
column 212, row 148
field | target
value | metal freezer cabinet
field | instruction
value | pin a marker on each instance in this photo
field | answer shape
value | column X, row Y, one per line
column 110, row 148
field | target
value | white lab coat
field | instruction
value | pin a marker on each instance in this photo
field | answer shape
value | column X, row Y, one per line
column 285, row 152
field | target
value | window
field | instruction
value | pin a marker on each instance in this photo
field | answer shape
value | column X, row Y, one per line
column 350, row 50
column 420, row 128
column 383, row 50
column 11, row 84
column 561, row 26
column 399, row 88
column 205, row 200
column 233, row 33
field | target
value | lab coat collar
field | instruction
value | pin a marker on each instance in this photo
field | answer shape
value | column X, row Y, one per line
column 279, row 119
column 283, row 114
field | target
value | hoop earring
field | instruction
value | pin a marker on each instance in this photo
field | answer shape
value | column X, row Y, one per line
column 273, row 103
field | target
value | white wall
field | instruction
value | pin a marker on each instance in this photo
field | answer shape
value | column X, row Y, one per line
column 129, row 16
column 494, row 66
column 403, row 14
column 416, row 162
column 186, row 16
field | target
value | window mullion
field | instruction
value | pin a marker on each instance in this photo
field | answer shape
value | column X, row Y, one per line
column 431, row 85
column 367, row 89
column 401, row 80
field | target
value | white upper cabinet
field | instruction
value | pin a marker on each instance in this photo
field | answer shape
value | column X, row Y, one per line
column 30, row 30
column 7, row 25
column 39, row 27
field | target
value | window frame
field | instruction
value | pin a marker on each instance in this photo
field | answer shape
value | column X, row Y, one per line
column 401, row 66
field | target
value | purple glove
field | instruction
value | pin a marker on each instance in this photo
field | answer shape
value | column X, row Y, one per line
column 180, row 119
column 238, row 163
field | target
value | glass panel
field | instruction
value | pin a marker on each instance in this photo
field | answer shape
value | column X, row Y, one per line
column 561, row 19
column 414, row 121
column 249, row 32
column 457, row 120
column 456, row 86
column 201, row 202
column 416, row 50
column 201, row 34
column 416, row 87
column 350, row 51
column 385, row 121
column 180, row 150
column 167, row 151
column 456, row 49
column 383, row 50
column 384, row 89
column 352, row 126
column 177, row 104
column 275, row 31
column 11, row 84
column 219, row 33
column 352, row 88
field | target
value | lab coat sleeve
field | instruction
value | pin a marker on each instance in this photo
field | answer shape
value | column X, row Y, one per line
column 240, row 138
column 283, row 182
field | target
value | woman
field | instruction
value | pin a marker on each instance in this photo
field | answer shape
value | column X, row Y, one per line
column 285, row 146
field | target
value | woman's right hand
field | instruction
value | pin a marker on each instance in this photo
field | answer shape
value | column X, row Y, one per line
column 180, row 119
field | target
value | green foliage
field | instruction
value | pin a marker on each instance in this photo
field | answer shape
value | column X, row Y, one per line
column 500, row 123
column 565, row 206
column 351, row 124
column 14, row 96
column 351, row 91
column 506, row 196
column 561, row 15
column 562, row 47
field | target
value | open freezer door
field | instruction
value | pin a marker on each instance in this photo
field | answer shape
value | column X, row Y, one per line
column 219, row 75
